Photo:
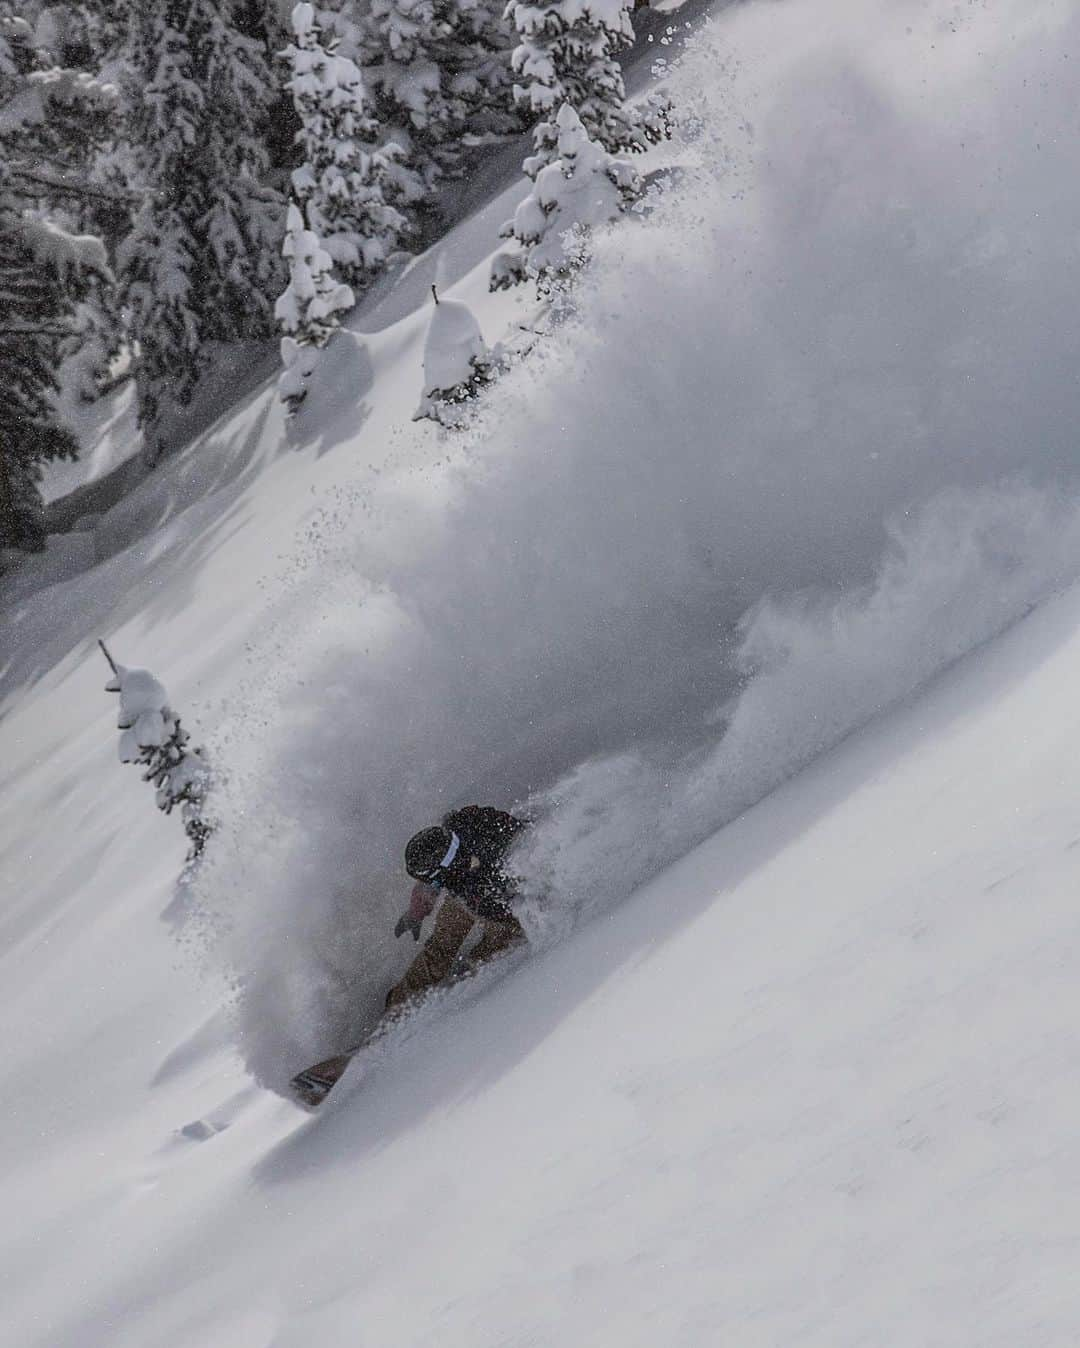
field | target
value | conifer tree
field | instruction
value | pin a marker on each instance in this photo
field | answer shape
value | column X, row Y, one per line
column 308, row 310
column 582, row 188
column 151, row 736
column 85, row 36
column 457, row 362
column 439, row 80
column 347, row 181
column 566, row 54
column 202, row 258
column 48, row 118
column 266, row 23
column 479, row 71
column 42, row 272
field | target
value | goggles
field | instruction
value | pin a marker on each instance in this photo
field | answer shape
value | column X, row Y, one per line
column 431, row 877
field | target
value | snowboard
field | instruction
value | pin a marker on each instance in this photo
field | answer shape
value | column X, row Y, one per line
column 311, row 1086
column 314, row 1084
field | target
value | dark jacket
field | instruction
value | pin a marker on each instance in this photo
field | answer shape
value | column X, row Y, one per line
column 476, row 875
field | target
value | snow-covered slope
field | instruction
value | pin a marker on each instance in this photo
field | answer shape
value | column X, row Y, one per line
column 810, row 440
column 815, row 1084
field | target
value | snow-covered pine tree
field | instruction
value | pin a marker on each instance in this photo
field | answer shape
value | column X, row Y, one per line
column 457, row 362
column 53, row 121
column 42, row 272
column 84, row 36
column 566, row 54
column 583, row 187
column 308, row 309
column 267, row 23
column 346, row 183
column 478, row 71
column 48, row 116
column 438, row 75
column 151, row 736
column 202, row 258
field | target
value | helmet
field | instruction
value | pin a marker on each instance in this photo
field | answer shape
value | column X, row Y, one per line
column 426, row 851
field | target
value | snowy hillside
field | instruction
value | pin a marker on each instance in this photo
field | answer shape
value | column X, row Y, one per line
column 815, row 1084
column 755, row 581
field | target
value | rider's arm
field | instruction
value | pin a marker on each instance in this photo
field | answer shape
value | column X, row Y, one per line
column 422, row 900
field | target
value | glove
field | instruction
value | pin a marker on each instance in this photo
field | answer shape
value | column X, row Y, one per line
column 409, row 921
column 421, row 902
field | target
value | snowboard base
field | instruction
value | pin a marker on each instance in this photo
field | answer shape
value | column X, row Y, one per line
column 314, row 1084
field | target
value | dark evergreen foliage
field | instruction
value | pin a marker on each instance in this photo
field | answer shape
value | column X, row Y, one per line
column 202, row 262
column 50, row 117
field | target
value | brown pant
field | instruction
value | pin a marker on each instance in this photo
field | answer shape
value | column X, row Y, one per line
column 453, row 923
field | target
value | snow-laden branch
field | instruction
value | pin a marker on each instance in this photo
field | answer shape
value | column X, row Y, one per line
column 29, row 171
column 42, row 92
column 54, row 247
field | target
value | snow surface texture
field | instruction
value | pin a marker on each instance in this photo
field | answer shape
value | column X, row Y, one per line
column 814, row 1085
column 756, row 487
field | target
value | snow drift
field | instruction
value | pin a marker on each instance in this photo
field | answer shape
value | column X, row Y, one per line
column 810, row 436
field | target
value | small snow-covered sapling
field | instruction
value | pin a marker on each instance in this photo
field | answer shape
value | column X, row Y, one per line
column 457, row 362
column 152, row 736
column 308, row 310
column 582, row 188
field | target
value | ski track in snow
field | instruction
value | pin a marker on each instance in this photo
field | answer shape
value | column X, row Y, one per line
column 809, row 439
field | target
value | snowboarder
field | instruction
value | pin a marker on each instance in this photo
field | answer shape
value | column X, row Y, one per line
column 462, row 856
column 462, row 859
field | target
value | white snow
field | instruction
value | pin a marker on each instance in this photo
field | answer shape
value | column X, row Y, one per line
column 789, row 507
column 141, row 710
column 55, row 247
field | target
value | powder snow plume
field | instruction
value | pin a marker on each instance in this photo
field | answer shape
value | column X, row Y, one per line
column 809, row 437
